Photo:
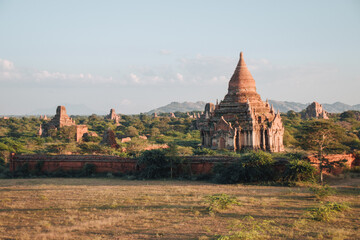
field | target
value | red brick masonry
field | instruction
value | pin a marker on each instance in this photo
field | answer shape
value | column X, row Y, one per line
column 352, row 161
column 104, row 163
column 113, row 164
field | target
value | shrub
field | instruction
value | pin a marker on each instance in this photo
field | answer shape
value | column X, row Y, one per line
column 154, row 164
column 204, row 151
column 22, row 171
column 38, row 167
column 251, row 167
column 299, row 170
column 5, row 172
column 88, row 169
column 220, row 201
column 250, row 228
column 325, row 212
column 322, row 192
column 2, row 161
column 229, row 174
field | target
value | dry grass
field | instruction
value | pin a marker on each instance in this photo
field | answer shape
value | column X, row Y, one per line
column 119, row 209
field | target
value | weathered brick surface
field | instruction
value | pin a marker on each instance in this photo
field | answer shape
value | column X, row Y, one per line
column 315, row 110
column 351, row 161
column 104, row 163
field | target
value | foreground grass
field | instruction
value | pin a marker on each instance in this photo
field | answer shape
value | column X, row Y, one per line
column 119, row 209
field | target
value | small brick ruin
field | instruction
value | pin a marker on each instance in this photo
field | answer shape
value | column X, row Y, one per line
column 110, row 139
column 113, row 116
column 315, row 110
column 61, row 120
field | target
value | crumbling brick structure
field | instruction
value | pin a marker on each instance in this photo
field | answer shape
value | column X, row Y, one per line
column 113, row 116
column 315, row 110
column 61, row 120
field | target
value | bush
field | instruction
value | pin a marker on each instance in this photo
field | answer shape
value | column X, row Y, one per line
column 38, row 167
column 5, row 172
column 2, row 161
column 299, row 170
column 88, row 169
column 322, row 192
column 325, row 212
column 154, row 164
column 22, row 171
column 220, row 201
column 251, row 167
column 204, row 151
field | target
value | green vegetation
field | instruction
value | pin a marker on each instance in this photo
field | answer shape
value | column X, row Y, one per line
column 19, row 135
column 339, row 134
column 262, row 167
column 327, row 211
column 250, row 228
column 218, row 202
column 321, row 192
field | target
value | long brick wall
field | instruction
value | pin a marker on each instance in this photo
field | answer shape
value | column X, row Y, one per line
column 193, row 165
column 51, row 163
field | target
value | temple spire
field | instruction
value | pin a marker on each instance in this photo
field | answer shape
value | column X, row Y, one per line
column 242, row 84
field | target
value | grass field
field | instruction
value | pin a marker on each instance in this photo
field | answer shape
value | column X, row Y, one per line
column 120, row 209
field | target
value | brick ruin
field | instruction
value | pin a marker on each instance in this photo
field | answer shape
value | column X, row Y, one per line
column 113, row 116
column 315, row 110
column 242, row 119
column 61, row 120
column 109, row 139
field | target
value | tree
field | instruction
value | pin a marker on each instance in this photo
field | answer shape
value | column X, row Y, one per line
column 154, row 132
column 321, row 135
column 155, row 164
column 132, row 131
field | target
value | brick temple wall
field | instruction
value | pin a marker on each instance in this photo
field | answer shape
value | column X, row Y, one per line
column 193, row 165
column 352, row 161
column 74, row 162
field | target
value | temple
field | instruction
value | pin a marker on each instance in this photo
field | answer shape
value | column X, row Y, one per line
column 242, row 120
column 61, row 120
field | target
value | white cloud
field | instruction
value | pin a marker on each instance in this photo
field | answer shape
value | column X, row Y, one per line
column 125, row 102
column 272, row 80
column 10, row 74
column 165, row 52
column 180, row 77
column 6, row 65
column 134, row 78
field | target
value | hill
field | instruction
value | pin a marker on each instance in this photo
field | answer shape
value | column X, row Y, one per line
column 282, row 106
column 179, row 107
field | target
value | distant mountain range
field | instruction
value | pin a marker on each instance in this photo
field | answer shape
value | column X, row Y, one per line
column 180, row 107
column 282, row 106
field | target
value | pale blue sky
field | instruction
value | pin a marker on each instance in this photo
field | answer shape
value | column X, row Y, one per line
column 137, row 55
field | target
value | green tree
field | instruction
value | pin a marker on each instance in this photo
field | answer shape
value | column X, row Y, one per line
column 320, row 136
column 154, row 132
column 155, row 164
column 131, row 131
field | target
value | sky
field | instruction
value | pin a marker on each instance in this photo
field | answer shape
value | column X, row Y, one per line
column 138, row 55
